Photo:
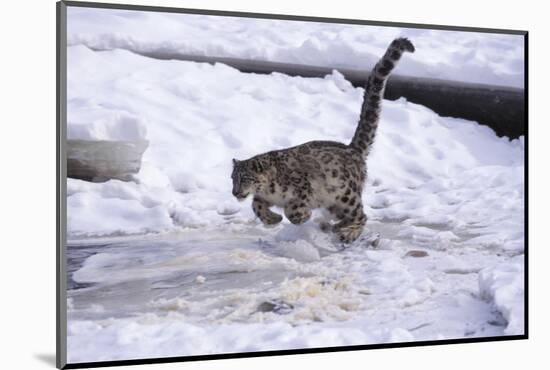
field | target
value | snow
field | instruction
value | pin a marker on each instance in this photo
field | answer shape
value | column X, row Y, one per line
column 170, row 264
column 89, row 121
column 114, row 215
column 460, row 56
column 503, row 285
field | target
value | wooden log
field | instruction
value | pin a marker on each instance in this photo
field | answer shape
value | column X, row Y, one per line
column 102, row 160
column 500, row 108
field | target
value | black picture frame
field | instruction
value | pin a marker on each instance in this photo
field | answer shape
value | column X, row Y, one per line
column 61, row 191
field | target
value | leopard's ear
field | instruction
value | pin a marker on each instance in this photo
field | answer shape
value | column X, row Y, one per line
column 235, row 161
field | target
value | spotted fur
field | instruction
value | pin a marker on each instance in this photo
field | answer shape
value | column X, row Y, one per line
column 320, row 174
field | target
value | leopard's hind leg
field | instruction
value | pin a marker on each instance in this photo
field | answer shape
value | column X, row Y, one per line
column 352, row 218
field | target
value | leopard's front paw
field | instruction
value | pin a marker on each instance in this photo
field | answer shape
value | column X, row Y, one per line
column 272, row 219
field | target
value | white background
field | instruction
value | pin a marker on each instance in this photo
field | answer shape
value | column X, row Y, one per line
column 28, row 182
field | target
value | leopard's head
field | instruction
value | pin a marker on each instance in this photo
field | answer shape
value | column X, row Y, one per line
column 249, row 177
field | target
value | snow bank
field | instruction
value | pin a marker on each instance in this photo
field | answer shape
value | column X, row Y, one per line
column 462, row 56
column 503, row 285
column 100, row 123
column 113, row 208
column 422, row 169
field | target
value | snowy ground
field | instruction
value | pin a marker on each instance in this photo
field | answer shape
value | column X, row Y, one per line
column 172, row 265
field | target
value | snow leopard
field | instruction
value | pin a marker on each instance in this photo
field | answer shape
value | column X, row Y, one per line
column 320, row 174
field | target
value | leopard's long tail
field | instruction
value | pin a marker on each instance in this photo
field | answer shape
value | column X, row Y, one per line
column 374, row 93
